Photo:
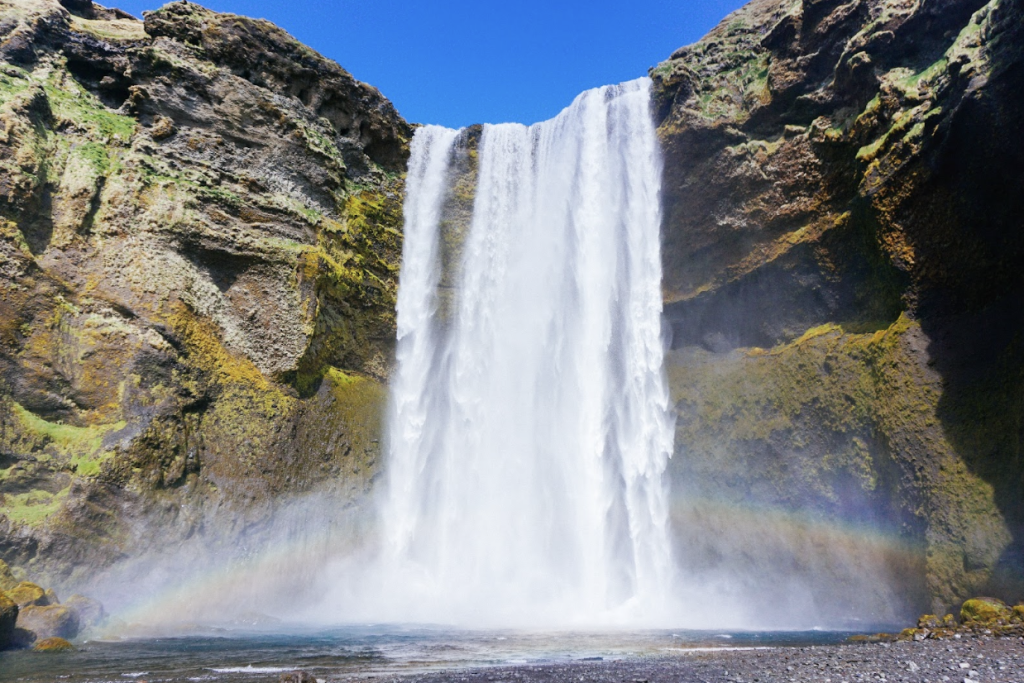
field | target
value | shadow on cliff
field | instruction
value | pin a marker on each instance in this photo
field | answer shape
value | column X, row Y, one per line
column 968, row 231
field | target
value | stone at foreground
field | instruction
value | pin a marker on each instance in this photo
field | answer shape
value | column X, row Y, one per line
column 53, row 645
column 990, row 660
column 51, row 621
column 298, row 677
column 983, row 610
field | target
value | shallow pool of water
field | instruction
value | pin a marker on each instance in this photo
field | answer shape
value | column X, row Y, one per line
column 358, row 652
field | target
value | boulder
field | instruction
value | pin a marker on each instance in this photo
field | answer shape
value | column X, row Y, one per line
column 983, row 610
column 89, row 612
column 298, row 677
column 28, row 594
column 8, row 618
column 48, row 621
column 53, row 645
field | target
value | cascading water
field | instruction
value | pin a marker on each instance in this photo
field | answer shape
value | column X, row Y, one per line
column 529, row 431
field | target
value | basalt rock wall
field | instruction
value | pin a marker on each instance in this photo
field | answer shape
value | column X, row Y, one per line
column 844, row 192
column 200, row 235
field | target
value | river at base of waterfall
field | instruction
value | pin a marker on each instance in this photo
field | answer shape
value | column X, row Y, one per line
column 359, row 652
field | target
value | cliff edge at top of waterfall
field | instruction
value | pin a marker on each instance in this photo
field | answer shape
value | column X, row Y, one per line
column 199, row 247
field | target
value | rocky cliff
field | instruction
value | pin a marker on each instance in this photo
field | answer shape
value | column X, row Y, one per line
column 199, row 243
column 200, row 234
column 844, row 188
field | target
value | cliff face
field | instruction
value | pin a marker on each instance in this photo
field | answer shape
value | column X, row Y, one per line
column 199, row 246
column 844, row 187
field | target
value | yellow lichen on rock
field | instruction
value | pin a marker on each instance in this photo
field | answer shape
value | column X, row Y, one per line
column 53, row 645
column 28, row 594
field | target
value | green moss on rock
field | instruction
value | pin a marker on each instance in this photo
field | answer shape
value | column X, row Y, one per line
column 75, row 106
column 842, row 423
column 983, row 610
column 28, row 594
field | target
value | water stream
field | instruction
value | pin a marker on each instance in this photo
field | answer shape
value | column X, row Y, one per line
column 530, row 427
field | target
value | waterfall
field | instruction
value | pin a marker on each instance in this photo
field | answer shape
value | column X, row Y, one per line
column 530, row 427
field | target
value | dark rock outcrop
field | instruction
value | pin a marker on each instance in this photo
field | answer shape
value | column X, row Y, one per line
column 8, row 619
column 843, row 193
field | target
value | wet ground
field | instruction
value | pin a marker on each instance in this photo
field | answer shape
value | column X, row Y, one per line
column 982, row 660
column 437, row 655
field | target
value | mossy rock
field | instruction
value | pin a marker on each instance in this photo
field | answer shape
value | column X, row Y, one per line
column 932, row 621
column 28, row 594
column 873, row 637
column 8, row 618
column 983, row 610
column 7, row 580
column 53, row 645
column 1017, row 615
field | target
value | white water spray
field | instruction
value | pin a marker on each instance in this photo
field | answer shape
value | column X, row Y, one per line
column 529, row 435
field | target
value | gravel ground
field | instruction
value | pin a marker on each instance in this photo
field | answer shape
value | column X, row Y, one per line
column 978, row 659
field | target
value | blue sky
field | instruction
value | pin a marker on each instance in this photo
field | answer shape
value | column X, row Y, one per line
column 457, row 62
